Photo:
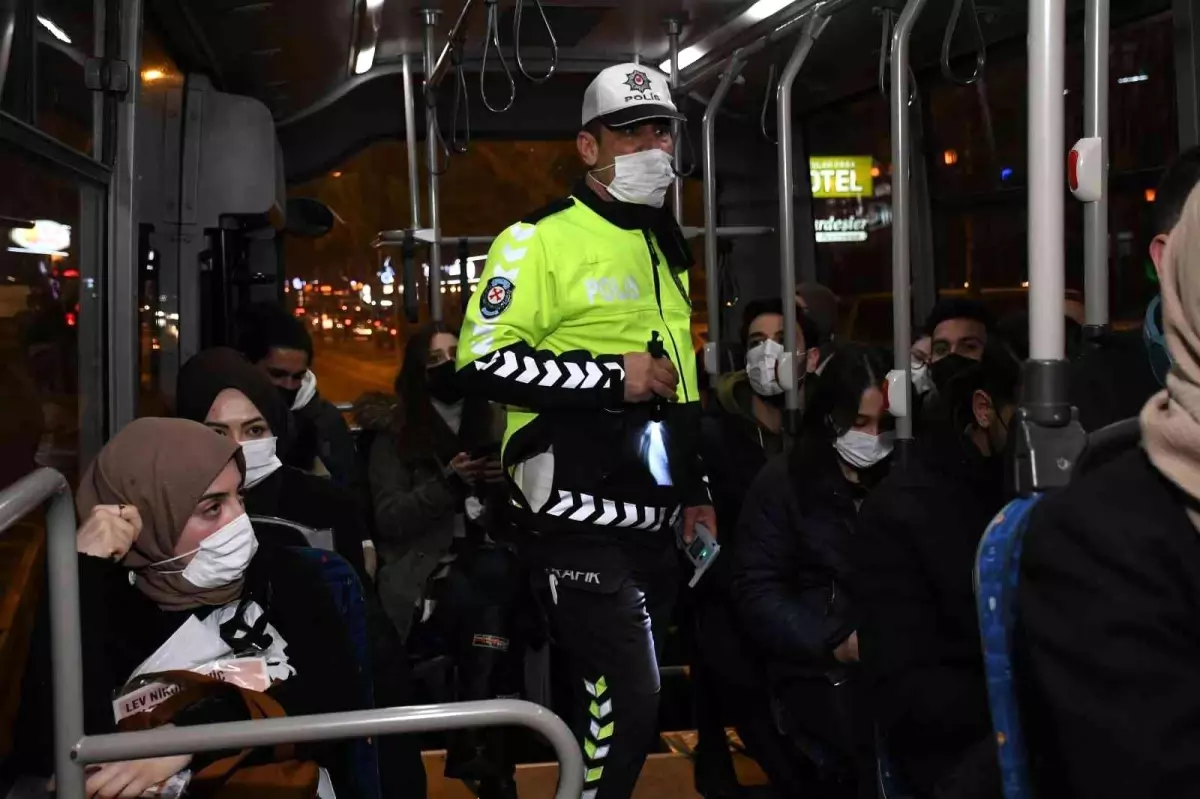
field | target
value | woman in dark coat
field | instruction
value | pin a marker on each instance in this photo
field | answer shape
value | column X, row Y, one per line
column 437, row 483
column 221, row 389
column 165, row 539
column 791, row 563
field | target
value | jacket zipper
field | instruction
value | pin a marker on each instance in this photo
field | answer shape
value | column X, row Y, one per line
column 654, row 263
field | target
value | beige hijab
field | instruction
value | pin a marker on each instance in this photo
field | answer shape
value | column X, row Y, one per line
column 1171, row 419
column 163, row 467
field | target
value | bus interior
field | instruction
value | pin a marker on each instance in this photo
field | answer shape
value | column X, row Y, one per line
column 167, row 163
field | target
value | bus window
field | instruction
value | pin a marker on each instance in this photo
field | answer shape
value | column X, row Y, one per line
column 50, row 329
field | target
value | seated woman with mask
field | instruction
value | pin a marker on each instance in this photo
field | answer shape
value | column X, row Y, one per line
column 171, row 574
column 221, row 389
column 791, row 565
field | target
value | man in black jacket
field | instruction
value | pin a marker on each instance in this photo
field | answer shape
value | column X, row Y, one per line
column 1112, row 381
column 914, row 553
column 278, row 343
column 741, row 431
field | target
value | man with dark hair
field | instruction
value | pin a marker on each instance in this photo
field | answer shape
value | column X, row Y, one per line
column 915, row 548
column 821, row 306
column 740, row 432
column 280, row 345
column 1113, row 380
column 959, row 326
column 582, row 327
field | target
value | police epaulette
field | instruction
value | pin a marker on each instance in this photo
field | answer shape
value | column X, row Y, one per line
column 551, row 209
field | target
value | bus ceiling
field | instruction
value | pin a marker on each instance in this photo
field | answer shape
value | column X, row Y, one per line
column 306, row 57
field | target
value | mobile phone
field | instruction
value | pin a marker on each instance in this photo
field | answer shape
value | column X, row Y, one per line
column 702, row 551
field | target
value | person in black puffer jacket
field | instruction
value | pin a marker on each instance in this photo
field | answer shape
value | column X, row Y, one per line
column 740, row 432
column 791, row 568
column 914, row 555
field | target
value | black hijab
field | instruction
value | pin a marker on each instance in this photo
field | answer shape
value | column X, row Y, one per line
column 209, row 373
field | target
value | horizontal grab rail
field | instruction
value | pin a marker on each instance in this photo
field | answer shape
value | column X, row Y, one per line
column 27, row 494
column 73, row 749
column 337, row 726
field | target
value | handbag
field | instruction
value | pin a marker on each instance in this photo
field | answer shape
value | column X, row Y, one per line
column 283, row 776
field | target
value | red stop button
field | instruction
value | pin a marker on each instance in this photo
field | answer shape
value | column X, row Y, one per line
column 1073, row 170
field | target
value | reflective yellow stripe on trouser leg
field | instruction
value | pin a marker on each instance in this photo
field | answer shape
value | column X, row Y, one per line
column 600, row 731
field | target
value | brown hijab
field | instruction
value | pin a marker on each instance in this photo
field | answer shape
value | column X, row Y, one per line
column 1171, row 419
column 163, row 467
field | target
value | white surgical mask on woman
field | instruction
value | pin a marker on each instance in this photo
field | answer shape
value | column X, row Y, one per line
column 222, row 558
column 922, row 377
column 261, row 460
column 863, row 450
column 762, row 361
column 642, row 178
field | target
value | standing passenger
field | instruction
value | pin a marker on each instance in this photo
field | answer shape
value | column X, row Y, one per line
column 1113, row 381
column 742, row 430
column 792, row 568
column 914, row 556
column 280, row 345
column 583, row 328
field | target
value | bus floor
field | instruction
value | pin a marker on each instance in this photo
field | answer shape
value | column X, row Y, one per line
column 667, row 774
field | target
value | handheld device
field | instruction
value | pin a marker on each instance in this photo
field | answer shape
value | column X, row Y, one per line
column 657, row 350
column 703, row 550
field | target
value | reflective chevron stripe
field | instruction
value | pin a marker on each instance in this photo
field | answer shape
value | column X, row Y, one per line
column 550, row 373
column 585, row 508
column 600, row 728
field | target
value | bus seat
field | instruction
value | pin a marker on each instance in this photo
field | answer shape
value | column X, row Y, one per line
column 997, row 570
column 1109, row 442
column 347, row 593
column 293, row 534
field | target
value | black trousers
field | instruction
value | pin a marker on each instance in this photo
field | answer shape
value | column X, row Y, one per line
column 730, row 687
column 603, row 623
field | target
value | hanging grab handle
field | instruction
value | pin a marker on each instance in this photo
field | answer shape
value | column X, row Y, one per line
column 948, row 37
column 461, row 100
column 492, row 39
column 518, row 10
column 766, row 103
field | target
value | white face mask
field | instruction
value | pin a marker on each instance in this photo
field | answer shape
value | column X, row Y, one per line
column 863, row 450
column 922, row 377
column 642, row 178
column 762, row 361
column 261, row 461
column 222, row 558
column 308, row 390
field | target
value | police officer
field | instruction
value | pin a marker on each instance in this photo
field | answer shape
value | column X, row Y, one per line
column 582, row 327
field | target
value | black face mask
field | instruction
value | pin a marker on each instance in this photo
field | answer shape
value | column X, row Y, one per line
column 289, row 395
column 946, row 369
column 443, row 383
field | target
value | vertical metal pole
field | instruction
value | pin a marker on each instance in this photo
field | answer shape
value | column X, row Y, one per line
column 1095, row 125
column 1187, row 70
column 673, row 29
column 1047, row 21
column 787, row 209
column 410, row 141
column 66, row 648
column 902, row 156
column 429, row 18
column 8, row 25
column 712, row 348
column 124, row 268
